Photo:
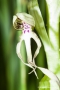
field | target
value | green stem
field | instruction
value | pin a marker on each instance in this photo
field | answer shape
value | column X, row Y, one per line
column 21, row 7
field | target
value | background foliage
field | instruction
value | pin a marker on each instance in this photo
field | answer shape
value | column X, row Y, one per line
column 13, row 74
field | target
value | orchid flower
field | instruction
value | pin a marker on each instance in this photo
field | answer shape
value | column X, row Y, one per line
column 27, row 34
column 25, row 23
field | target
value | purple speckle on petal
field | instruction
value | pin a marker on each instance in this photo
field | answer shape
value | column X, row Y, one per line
column 26, row 27
column 27, row 30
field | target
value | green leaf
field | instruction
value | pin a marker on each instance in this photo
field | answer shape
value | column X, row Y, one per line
column 50, row 40
column 47, row 84
column 51, row 53
column 44, row 83
column 40, row 27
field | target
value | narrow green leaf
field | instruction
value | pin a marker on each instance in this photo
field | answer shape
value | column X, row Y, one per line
column 40, row 27
column 51, row 40
column 53, row 10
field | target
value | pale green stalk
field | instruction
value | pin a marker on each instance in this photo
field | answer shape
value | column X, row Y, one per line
column 21, row 7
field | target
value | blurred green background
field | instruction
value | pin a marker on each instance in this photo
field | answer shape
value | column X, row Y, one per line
column 13, row 73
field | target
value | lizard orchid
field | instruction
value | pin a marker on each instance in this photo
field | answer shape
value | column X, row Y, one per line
column 25, row 23
column 20, row 22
